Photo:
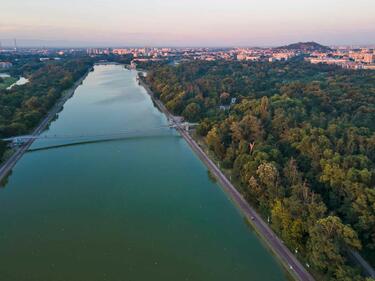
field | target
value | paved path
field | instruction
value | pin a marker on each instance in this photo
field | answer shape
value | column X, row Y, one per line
column 362, row 262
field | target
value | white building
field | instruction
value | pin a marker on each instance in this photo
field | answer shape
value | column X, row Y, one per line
column 5, row 64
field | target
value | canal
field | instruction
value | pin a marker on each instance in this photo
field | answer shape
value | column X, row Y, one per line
column 139, row 208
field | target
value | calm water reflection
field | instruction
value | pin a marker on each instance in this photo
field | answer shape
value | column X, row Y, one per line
column 140, row 208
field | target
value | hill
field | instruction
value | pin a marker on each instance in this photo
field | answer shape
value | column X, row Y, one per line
column 306, row 47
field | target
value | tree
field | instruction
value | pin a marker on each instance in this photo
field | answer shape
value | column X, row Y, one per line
column 22, row 108
column 192, row 112
column 329, row 238
column 251, row 128
column 300, row 141
column 3, row 147
column 203, row 128
column 290, row 228
column 264, row 108
column 225, row 98
column 269, row 179
column 214, row 142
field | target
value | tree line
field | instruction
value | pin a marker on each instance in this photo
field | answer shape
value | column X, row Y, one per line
column 23, row 107
column 298, row 139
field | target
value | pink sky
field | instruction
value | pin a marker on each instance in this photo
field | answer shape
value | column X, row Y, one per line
column 187, row 22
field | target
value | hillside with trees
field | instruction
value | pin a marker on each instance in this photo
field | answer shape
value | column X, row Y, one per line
column 306, row 47
column 299, row 141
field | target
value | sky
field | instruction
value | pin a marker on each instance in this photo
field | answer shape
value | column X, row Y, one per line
column 213, row 23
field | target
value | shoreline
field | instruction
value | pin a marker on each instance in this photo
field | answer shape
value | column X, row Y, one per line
column 283, row 254
column 9, row 164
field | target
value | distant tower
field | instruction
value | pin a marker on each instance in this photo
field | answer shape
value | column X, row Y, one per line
column 15, row 45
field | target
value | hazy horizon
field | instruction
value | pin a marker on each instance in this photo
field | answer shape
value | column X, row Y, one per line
column 9, row 43
column 220, row 23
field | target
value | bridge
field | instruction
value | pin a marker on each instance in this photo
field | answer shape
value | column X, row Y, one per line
column 74, row 139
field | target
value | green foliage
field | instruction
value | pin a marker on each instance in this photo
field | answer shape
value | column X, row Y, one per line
column 328, row 241
column 3, row 147
column 301, row 141
column 22, row 107
column 6, row 82
column 192, row 112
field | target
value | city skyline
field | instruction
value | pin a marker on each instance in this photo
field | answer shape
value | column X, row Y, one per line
column 211, row 23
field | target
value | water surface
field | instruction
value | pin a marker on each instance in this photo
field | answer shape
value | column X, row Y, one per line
column 139, row 208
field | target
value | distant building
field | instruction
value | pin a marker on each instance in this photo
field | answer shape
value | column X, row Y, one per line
column 282, row 56
column 5, row 64
column 349, row 59
column 362, row 57
column 327, row 60
column 368, row 58
column 100, row 51
column 121, row 51
column 246, row 57
column 370, row 66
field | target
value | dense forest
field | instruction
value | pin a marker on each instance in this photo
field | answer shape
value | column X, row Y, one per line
column 23, row 107
column 299, row 141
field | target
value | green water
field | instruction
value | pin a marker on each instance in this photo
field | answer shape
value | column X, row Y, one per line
column 140, row 208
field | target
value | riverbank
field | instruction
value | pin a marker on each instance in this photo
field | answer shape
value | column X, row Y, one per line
column 7, row 166
column 289, row 261
column 123, row 207
column 156, row 101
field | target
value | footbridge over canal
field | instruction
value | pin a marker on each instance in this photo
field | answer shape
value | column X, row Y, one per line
column 75, row 139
